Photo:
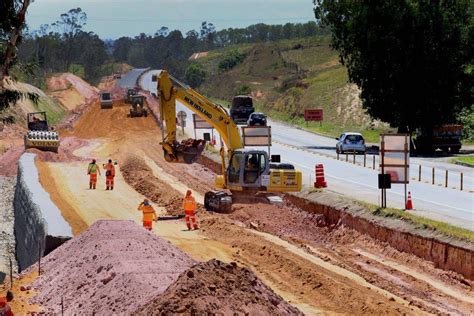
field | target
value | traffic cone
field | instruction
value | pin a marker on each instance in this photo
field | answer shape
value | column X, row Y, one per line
column 320, row 181
column 409, row 205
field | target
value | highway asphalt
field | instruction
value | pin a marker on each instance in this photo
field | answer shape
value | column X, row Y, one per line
column 305, row 149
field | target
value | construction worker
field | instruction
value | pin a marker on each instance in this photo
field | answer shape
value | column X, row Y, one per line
column 109, row 175
column 5, row 309
column 92, row 171
column 189, row 206
column 149, row 214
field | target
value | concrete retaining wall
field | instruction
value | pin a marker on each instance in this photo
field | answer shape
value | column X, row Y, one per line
column 39, row 225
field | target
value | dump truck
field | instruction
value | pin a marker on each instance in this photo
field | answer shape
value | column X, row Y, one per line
column 138, row 106
column 446, row 138
column 39, row 134
column 241, row 108
column 130, row 93
column 106, row 100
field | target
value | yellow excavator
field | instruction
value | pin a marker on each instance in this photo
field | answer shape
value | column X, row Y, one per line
column 248, row 172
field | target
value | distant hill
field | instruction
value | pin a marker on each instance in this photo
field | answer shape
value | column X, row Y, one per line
column 285, row 77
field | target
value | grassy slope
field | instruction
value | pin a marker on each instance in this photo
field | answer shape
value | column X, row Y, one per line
column 324, row 84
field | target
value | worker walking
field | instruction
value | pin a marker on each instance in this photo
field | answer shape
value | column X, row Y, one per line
column 149, row 214
column 92, row 170
column 5, row 309
column 109, row 175
column 189, row 206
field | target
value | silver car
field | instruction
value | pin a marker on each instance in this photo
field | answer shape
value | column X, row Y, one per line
column 350, row 142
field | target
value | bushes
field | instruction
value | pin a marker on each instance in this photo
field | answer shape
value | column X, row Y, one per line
column 243, row 90
column 232, row 59
column 195, row 75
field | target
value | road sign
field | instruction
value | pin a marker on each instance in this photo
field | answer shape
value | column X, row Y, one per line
column 313, row 115
column 182, row 115
column 395, row 160
column 257, row 135
column 200, row 123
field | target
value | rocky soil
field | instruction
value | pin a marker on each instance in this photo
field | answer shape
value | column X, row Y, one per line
column 7, row 238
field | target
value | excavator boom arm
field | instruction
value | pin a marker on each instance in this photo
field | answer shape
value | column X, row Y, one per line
column 212, row 113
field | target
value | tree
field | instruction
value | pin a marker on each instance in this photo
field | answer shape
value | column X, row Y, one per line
column 12, row 22
column 409, row 57
column 195, row 75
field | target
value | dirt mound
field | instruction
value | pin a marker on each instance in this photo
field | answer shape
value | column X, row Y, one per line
column 67, row 80
column 138, row 175
column 113, row 267
column 215, row 287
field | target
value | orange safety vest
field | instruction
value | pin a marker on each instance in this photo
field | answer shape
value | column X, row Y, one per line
column 148, row 212
column 189, row 203
column 109, row 168
column 4, row 307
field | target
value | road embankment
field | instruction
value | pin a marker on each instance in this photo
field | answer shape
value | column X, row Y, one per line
column 446, row 253
column 39, row 225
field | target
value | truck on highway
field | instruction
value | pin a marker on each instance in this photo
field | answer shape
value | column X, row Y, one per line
column 241, row 108
column 446, row 138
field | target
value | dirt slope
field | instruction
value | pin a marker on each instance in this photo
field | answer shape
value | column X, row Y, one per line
column 113, row 267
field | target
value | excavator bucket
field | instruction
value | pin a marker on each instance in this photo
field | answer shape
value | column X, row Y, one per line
column 188, row 151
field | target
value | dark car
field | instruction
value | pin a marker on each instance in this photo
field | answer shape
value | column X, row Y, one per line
column 241, row 108
column 257, row 119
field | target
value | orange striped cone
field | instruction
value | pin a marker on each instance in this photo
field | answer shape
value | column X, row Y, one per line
column 409, row 205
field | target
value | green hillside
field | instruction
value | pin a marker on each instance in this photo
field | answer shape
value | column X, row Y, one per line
column 288, row 76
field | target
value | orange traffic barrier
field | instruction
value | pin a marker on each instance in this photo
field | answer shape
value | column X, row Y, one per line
column 320, row 181
column 409, row 205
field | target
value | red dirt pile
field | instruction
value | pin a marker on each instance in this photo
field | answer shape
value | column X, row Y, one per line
column 138, row 175
column 111, row 268
column 217, row 288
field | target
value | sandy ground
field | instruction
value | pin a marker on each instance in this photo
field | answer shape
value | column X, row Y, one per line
column 316, row 268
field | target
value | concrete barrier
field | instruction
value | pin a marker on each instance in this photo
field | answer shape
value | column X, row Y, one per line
column 39, row 225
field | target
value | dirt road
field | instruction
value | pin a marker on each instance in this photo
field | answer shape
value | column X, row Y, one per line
column 317, row 268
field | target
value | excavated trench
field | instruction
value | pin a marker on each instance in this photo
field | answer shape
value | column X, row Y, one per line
column 457, row 256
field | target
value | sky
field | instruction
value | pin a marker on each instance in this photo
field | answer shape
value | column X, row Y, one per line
column 111, row 19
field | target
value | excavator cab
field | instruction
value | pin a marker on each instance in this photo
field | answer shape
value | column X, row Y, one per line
column 247, row 169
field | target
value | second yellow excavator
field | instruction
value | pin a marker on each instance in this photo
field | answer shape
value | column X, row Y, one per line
column 248, row 171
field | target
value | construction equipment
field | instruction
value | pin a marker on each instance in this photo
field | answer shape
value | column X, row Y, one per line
column 128, row 96
column 248, row 171
column 39, row 135
column 106, row 100
column 138, row 106
column 446, row 138
column 241, row 108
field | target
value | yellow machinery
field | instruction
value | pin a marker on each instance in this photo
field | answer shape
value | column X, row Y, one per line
column 39, row 134
column 248, row 171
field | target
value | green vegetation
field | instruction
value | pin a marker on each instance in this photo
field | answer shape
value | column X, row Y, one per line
column 195, row 75
column 232, row 59
column 287, row 76
column 421, row 222
column 411, row 58
column 243, row 90
column 53, row 111
column 465, row 160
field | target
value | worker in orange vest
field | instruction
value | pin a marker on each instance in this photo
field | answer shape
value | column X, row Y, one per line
column 189, row 206
column 149, row 214
column 5, row 309
column 92, row 171
column 109, row 175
